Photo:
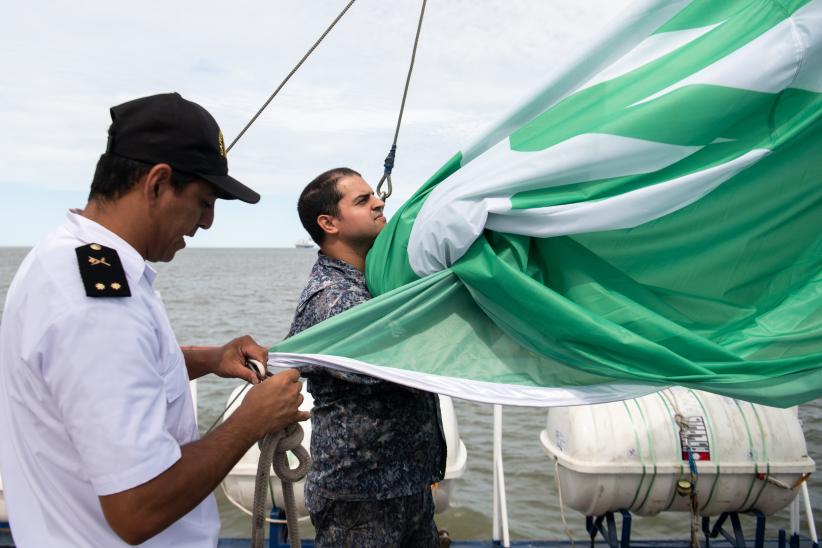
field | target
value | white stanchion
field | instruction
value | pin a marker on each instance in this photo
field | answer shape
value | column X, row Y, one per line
column 500, row 503
column 795, row 516
column 808, row 512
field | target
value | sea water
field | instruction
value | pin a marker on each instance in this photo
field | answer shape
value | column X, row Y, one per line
column 214, row 295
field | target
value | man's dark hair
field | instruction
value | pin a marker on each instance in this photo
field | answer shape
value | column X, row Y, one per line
column 115, row 176
column 321, row 197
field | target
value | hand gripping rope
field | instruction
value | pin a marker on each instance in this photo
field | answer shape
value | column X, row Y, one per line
column 273, row 448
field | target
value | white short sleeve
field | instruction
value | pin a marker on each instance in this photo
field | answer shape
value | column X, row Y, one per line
column 101, row 365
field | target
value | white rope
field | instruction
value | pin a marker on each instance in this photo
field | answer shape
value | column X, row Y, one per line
column 562, row 503
column 683, row 425
column 248, row 512
column 273, row 451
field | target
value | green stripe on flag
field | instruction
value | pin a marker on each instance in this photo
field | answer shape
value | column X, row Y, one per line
column 712, row 160
column 696, row 115
column 700, row 13
column 387, row 264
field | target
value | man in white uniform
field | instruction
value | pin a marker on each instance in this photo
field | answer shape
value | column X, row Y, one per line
column 98, row 443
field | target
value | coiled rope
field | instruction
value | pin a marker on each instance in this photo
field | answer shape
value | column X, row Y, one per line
column 273, row 448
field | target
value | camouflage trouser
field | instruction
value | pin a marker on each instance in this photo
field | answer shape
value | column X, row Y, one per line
column 402, row 522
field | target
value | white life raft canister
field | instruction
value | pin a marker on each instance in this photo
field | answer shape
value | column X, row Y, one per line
column 629, row 455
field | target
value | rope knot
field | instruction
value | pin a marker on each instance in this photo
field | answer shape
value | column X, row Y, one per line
column 273, row 453
column 292, row 437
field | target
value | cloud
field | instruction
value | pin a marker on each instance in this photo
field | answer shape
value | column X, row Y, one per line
column 64, row 64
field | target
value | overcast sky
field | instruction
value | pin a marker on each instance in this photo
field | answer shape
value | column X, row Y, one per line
column 65, row 63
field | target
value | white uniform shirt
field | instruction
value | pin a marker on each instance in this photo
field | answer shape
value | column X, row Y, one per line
column 94, row 397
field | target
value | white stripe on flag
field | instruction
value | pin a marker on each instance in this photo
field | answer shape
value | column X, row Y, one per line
column 808, row 25
column 779, row 57
column 624, row 210
column 471, row 390
column 455, row 213
column 649, row 50
column 640, row 19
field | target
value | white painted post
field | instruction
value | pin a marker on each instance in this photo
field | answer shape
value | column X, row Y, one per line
column 495, row 534
column 500, row 503
column 808, row 512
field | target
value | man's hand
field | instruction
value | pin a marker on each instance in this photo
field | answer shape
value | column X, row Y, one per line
column 274, row 404
column 233, row 356
column 141, row 512
column 226, row 361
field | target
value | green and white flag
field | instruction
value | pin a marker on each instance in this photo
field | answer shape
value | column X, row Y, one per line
column 652, row 217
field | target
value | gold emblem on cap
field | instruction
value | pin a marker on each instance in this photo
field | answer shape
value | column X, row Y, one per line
column 115, row 286
column 96, row 247
column 99, row 286
column 221, row 144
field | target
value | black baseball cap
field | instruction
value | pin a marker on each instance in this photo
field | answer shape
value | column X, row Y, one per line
column 168, row 129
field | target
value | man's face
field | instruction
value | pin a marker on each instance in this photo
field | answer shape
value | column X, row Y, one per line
column 360, row 219
column 181, row 213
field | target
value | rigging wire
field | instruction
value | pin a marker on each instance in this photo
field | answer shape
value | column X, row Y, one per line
column 227, row 407
column 290, row 74
column 389, row 160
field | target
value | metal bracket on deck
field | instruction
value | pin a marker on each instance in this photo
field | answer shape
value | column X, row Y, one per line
column 737, row 540
column 278, row 532
column 793, row 542
column 593, row 524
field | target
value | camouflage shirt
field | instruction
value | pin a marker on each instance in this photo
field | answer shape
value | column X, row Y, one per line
column 371, row 439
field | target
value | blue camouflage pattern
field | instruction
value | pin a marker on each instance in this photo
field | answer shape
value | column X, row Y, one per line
column 402, row 522
column 371, row 439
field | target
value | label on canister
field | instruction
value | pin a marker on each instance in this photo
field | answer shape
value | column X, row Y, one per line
column 695, row 438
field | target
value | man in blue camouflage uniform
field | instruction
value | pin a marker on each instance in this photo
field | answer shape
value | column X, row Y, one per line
column 376, row 446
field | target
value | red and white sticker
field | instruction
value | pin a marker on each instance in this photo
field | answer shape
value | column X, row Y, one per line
column 695, row 438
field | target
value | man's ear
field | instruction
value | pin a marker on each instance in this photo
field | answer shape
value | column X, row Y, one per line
column 156, row 182
column 328, row 223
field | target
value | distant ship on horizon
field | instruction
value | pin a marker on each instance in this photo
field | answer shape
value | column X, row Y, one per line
column 304, row 244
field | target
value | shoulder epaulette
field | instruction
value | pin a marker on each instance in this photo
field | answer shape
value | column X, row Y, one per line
column 102, row 271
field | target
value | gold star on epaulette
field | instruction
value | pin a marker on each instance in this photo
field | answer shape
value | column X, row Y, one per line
column 102, row 272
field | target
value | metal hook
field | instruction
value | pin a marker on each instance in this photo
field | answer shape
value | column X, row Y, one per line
column 384, row 195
